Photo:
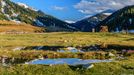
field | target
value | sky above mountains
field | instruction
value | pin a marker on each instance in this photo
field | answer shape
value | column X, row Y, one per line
column 74, row 10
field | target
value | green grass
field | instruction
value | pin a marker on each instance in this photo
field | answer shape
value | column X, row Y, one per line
column 7, row 41
column 124, row 67
column 10, row 41
column 65, row 39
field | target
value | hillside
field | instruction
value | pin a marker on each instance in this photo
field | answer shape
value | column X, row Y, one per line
column 122, row 19
column 10, row 27
column 87, row 24
column 19, row 13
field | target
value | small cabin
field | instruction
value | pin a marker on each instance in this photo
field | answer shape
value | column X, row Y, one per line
column 104, row 29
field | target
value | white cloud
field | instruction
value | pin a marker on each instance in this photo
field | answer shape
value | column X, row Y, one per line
column 58, row 8
column 96, row 6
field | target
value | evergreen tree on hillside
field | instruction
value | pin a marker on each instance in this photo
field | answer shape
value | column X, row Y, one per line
column 122, row 19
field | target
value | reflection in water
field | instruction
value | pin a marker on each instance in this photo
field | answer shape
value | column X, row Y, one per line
column 72, row 51
column 69, row 61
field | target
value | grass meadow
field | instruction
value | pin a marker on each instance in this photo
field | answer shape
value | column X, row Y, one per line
column 7, row 41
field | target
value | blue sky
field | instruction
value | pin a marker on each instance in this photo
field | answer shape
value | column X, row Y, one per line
column 74, row 10
column 62, row 9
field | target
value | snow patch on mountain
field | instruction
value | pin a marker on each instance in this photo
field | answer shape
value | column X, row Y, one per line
column 2, row 10
column 69, row 26
column 69, row 21
column 26, row 6
column 39, row 23
column 8, row 16
column 23, row 5
column 107, row 14
column 17, row 21
column 95, row 17
column 3, row 3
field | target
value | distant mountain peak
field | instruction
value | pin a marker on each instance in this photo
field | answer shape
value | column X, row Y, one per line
column 88, row 23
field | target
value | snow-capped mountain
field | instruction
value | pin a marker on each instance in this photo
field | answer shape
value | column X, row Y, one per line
column 20, row 12
column 91, row 22
column 120, row 20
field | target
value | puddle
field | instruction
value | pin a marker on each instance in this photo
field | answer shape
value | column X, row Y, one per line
column 69, row 61
column 72, row 51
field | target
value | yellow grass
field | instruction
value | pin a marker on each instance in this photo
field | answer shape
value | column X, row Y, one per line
column 66, row 39
column 12, row 27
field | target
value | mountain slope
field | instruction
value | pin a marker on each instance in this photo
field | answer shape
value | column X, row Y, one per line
column 12, row 27
column 91, row 22
column 122, row 19
column 22, row 13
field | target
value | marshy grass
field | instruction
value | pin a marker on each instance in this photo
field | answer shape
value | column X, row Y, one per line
column 7, row 41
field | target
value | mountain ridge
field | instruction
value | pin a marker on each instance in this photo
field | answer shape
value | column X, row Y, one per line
column 120, row 20
column 89, row 23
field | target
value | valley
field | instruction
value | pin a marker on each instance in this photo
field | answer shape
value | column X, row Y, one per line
column 32, row 42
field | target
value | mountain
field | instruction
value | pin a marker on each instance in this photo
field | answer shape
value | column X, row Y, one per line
column 87, row 24
column 22, row 13
column 122, row 19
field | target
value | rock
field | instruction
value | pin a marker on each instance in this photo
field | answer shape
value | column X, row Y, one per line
column 111, row 54
column 70, row 48
column 18, row 48
column 88, row 66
